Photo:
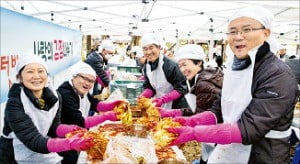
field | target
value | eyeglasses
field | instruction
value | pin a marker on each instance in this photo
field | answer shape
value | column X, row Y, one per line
column 86, row 79
column 244, row 31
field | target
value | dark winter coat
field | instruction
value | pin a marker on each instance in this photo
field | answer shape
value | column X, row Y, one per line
column 95, row 60
column 17, row 121
column 174, row 77
column 70, row 113
column 271, row 108
column 207, row 88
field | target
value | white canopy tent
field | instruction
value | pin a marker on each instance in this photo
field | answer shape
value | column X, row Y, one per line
column 171, row 19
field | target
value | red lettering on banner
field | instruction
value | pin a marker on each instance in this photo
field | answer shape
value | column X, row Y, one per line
column 59, row 49
column 8, row 63
column 4, row 65
column 14, row 59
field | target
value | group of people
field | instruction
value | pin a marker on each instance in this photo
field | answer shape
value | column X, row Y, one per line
column 241, row 114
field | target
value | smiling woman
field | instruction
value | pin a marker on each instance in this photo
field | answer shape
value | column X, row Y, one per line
column 32, row 119
column 34, row 77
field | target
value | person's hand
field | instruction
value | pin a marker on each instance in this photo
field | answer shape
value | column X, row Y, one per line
column 77, row 142
column 171, row 96
column 108, row 106
column 169, row 112
column 185, row 134
column 204, row 118
column 63, row 129
column 185, row 121
column 141, row 78
column 219, row 134
column 158, row 102
column 147, row 93
column 99, row 81
column 98, row 119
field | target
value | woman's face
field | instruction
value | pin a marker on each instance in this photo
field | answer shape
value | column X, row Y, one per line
column 34, row 77
column 250, row 34
column 188, row 68
column 83, row 83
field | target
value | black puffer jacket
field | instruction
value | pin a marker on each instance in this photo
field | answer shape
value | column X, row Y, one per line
column 70, row 113
column 95, row 60
column 174, row 77
column 17, row 121
column 207, row 88
column 274, row 92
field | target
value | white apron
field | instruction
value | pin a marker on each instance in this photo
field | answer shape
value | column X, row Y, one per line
column 159, row 81
column 42, row 120
column 191, row 98
column 206, row 148
column 236, row 96
column 84, row 103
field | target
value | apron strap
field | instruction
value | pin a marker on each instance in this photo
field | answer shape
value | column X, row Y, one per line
column 5, row 136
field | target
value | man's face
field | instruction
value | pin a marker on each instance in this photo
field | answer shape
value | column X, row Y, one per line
column 250, row 34
column 107, row 52
column 151, row 52
column 83, row 83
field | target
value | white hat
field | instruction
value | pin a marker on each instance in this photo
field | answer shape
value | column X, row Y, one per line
column 107, row 45
column 83, row 68
column 28, row 59
column 264, row 16
column 190, row 51
column 150, row 39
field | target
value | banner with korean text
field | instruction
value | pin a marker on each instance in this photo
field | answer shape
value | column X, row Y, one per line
column 59, row 46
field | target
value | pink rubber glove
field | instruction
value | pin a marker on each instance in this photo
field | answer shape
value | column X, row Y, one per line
column 146, row 93
column 173, row 95
column 95, row 120
column 204, row 118
column 99, row 81
column 63, row 129
column 108, row 106
column 107, row 73
column 219, row 134
column 75, row 143
column 169, row 112
column 141, row 78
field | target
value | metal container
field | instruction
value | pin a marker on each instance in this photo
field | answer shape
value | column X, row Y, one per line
column 138, row 130
column 136, row 113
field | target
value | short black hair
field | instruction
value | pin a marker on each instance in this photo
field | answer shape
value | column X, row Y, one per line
column 197, row 62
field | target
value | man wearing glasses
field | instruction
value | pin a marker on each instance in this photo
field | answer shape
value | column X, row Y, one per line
column 76, row 103
column 255, row 111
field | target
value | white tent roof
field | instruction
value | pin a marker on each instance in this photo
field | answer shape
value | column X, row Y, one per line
column 185, row 19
